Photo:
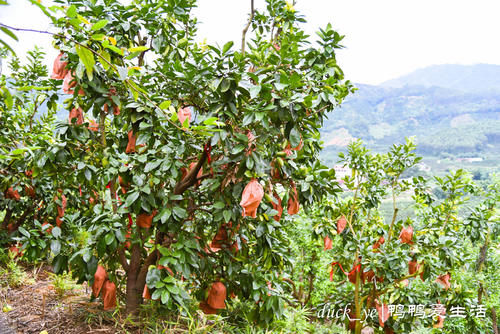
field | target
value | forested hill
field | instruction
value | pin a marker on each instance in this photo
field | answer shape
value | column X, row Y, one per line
column 427, row 105
column 467, row 78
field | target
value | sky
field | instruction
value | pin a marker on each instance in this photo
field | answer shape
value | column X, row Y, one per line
column 384, row 39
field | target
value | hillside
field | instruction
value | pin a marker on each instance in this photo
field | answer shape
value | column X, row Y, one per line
column 443, row 120
column 466, row 78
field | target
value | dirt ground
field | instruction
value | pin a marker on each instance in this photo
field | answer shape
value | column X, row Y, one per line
column 35, row 307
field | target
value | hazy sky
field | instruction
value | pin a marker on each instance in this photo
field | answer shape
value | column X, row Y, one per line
column 384, row 38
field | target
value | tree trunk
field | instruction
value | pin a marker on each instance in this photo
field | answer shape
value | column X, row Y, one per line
column 133, row 295
column 137, row 270
column 494, row 320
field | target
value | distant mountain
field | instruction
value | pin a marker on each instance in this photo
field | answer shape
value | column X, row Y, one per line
column 467, row 78
column 444, row 120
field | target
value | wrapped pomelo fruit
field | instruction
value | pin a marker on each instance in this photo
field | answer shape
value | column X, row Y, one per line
column 207, row 309
column 217, row 296
column 100, row 277
column 352, row 274
column 12, row 194
column 49, row 228
column 145, row 220
column 341, row 224
column 59, row 70
column 30, row 191
column 368, row 276
column 219, row 239
column 76, row 113
column 293, row 201
column 93, row 126
column 16, row 250
column 383, row 313
column 444, row 280
column 69, row 83
column 251, row 143
column 131, row 142
column 183, row 114
column 406, row 235
column 145, row 293
column 277, row 206
column 251, row 198
column 109, row 295
column 327, row 243
column 379, row 243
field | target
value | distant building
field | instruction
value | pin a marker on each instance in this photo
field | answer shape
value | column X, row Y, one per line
column 341, row 171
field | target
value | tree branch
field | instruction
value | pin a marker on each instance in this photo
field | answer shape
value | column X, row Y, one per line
column 191, row 178
column 252, row 12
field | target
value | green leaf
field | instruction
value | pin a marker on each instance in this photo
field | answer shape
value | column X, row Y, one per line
column 9, row 33
column 180, row 212
column 98, row 37
column 131, row 198
column 294, row 137
column 109, row 238
column 165, row 104
column 107, row 59
column 227, row 46
column 219, row 205
column 87, row 58
column 55, row 247
column 99, row 24
column 138, row 49
column 227, row 215
column 71, row 12
column 165, row 214
column 238, row 148
column 225, row 84
column 152, row 165
column 254, row 91
column 56, row 232
column 23, row 231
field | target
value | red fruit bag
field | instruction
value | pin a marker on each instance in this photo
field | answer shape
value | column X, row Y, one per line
column 145, row 293
column 78, row 114
column 328, row 243
column 251, row 198
column 278, row 207
column 100, row 277
column 217, row 296
column 183, row 114
column 109, row 295
column 68, row 83
column 207, row 309
column 341, row 224
column 293, row 201
column 444, row 280
column 383, row 313
column 12, row 194
column 59, row 70
column 379, row 243
column 145, row 220
column 406, row 235
column 131, row 142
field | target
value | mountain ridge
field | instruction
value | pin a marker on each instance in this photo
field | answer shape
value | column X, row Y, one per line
column 443, row 119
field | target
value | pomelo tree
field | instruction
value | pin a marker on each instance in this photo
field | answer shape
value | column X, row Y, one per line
column 413, row 255
column 181, row 161
column 25, row 194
